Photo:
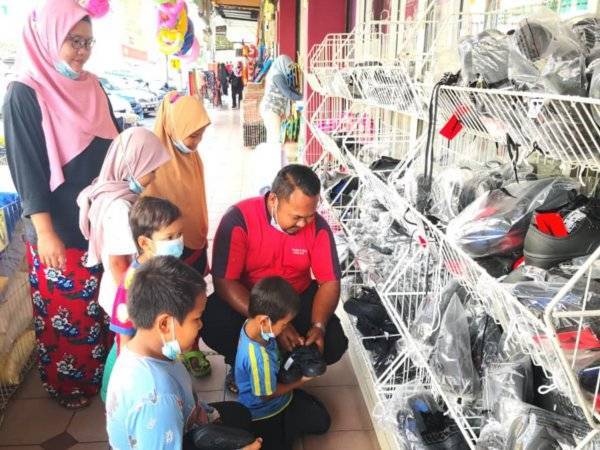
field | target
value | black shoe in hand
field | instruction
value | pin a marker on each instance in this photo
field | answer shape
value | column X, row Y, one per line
column 220, row 437
column 304, row 361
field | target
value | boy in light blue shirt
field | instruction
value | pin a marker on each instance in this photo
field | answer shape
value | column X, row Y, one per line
column 150, row 403
column 280, row 412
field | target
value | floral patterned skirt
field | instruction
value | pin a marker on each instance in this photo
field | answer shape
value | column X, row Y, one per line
column 71, row 328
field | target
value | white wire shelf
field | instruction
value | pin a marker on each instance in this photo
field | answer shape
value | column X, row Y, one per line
column 534, row 334
column 565, row 128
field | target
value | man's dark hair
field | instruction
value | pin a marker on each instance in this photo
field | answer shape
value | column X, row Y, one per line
column 273, row 297
column 151, row 214
column 296, row 176
column 86, row 19
column 163, row 285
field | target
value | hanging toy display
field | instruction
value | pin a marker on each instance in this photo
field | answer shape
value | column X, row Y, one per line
column 175, row 33
column 172, row 26
column 191, row 47
column 95, row 8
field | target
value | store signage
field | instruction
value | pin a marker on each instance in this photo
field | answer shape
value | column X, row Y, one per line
column 134, row 42
column 221, row 30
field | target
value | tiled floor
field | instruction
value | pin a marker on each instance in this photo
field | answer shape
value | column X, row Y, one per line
column 32, row 421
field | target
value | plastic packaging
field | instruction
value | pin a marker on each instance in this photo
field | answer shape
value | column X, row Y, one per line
column 587, row 30
column 432, row 309
column 485, row 57
column 512, row 378
column 496, row 223
column 545, row 56
column 451, row 357
column 485, row 340
column 533, row 428
column 421, row 422
column 493, row 436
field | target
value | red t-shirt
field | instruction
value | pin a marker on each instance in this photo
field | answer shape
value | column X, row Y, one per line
column 248, row 248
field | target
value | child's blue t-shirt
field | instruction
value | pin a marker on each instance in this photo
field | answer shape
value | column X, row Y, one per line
column 149, row 403
column 256, row 369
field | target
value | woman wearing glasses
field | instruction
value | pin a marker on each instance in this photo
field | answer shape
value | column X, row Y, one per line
column 59, row 126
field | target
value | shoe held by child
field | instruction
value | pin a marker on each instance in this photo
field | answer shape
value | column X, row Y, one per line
column 280, row 412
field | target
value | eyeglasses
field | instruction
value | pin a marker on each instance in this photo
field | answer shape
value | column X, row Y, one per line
column 77, row 42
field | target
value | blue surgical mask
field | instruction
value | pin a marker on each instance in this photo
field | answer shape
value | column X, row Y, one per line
column 267, row 335
column 66, row 70
column 173, row 247
column 135, row 186
column 171, row 349
column 182, row 147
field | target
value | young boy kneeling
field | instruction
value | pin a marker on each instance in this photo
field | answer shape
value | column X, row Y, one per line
column 281, row 413
column 150, row 403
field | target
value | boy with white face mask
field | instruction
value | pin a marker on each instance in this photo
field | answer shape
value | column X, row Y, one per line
column 151, row 404
column 156, row 228
column 280, row 412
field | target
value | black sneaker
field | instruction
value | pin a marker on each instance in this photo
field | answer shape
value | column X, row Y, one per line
column 426, row 422
column 367, row 305
column 583, row 227
column 220, row 437
column 306, row 360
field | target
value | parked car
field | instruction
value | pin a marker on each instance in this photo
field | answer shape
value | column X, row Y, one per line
column 111, row 89
column 123, row 111
column 146, row 99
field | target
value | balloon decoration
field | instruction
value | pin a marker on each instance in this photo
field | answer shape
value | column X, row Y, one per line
column 95, row 8
column 175, row 33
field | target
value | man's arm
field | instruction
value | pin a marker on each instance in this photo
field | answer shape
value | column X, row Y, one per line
column 326, row 268
column 324, row 305
column 234, row 293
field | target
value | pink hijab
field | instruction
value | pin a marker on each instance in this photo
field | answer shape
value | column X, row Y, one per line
column 74, row 112
column 136, row 152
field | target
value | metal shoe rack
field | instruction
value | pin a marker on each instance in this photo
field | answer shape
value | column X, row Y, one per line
column 371, row 95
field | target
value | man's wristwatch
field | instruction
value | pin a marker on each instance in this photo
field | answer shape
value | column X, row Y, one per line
column 319, row 325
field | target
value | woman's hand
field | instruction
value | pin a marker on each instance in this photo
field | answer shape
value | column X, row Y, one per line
column 256, row 445
column 51, row 250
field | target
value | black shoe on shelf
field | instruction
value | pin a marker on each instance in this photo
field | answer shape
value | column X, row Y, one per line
column 435, row 430
column 359, row 308
column 583, row 227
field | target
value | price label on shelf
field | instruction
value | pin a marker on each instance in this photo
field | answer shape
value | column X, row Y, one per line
column 535, row 107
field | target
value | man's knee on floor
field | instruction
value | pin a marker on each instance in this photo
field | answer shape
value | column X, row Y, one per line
column 335, row 347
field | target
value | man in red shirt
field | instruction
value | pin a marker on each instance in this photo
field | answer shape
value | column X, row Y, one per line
column 280, row 234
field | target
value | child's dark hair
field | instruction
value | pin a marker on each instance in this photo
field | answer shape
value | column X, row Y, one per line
column 273, row 297
column 150, row 214
column 163, row 285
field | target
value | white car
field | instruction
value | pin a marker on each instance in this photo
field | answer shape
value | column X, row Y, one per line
column 122, row 109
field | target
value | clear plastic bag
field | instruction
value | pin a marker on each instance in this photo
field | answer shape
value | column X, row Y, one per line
column 587, row 30
column 428, row 319
column 451, row 357
column 533, row 428
column 545, row 56
column 493, row 436
column 484, row 57
column 496, row 223
column 512, row 378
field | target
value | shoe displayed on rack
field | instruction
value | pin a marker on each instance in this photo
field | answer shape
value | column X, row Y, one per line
column 221, row 437
column 589, row 377
column 426, row 422
column 497, row 266
column 363, row 307
column 582, row 226
column 308, row 361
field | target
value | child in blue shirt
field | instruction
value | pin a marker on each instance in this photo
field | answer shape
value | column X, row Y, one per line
column 150, row 403
column 281, row 413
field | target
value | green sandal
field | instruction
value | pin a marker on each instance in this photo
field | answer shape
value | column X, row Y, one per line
column 197, row 364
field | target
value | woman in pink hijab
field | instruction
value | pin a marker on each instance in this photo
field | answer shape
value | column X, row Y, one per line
column 58, row 127
column 129, row 167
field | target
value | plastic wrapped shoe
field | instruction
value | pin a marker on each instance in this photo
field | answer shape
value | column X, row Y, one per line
column 427, row 423
column 583, row 228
